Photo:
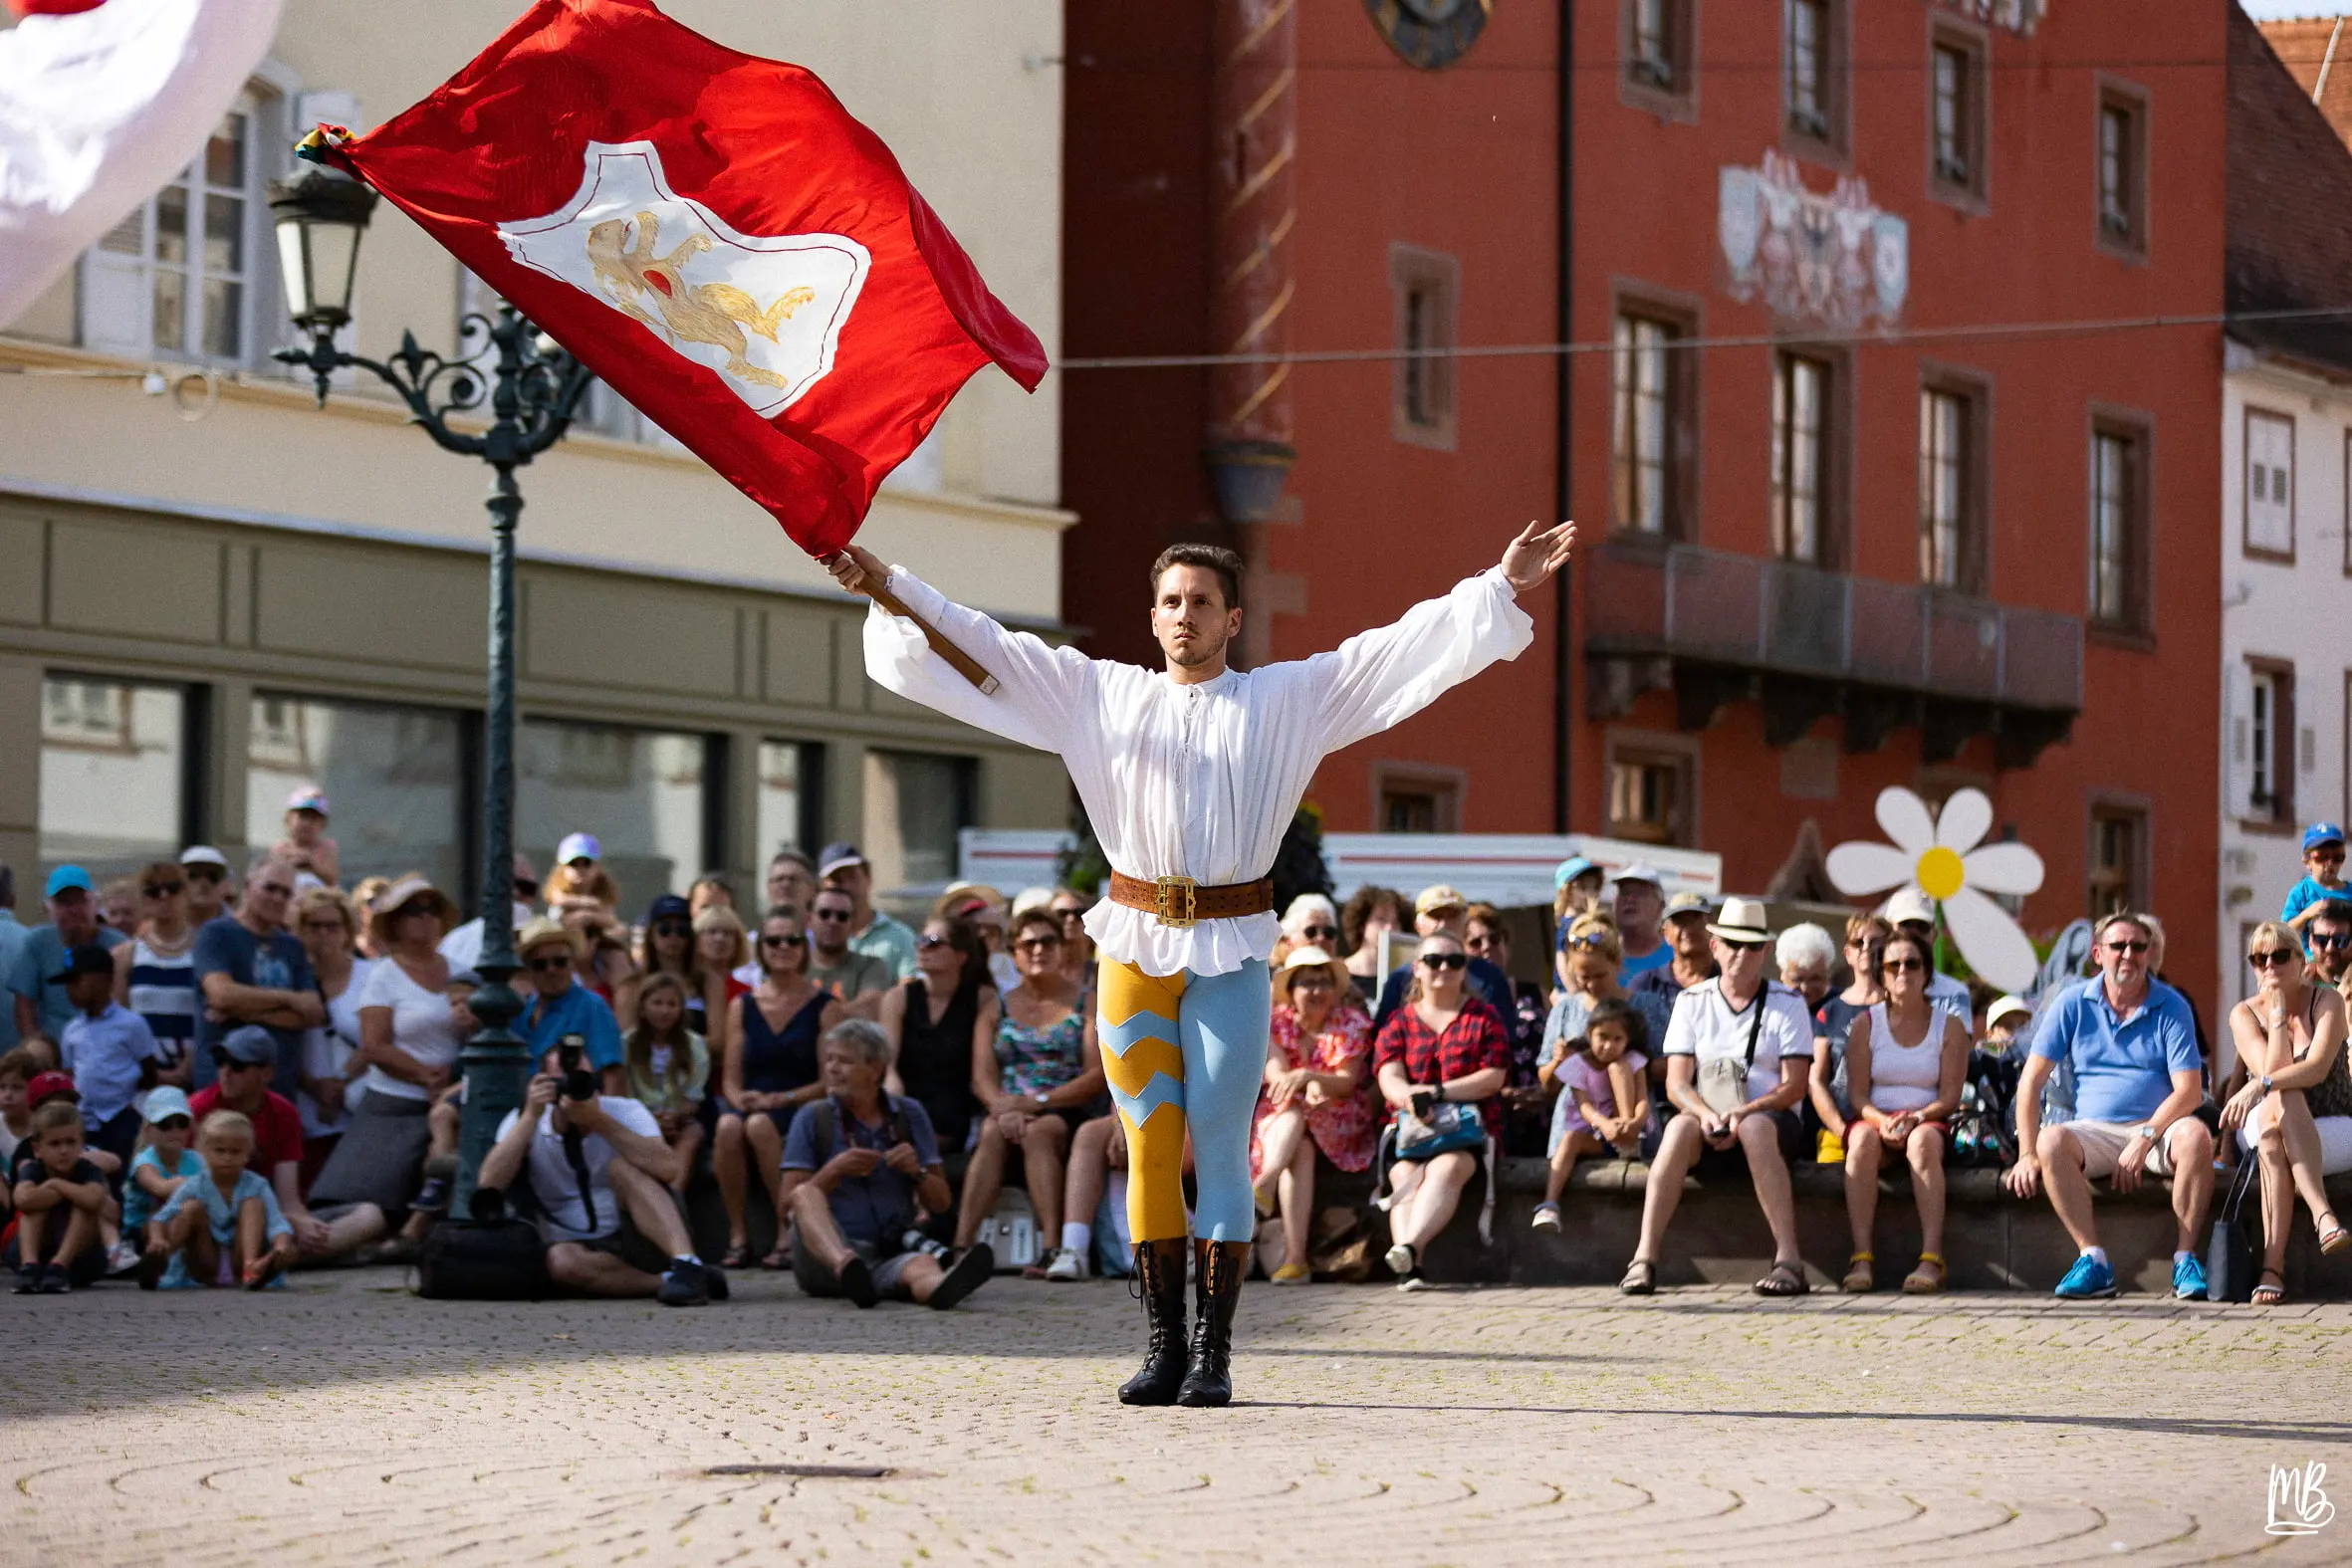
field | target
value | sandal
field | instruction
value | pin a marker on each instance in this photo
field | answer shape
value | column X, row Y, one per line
column 774, row 1261
column 1783, row 1279
column 1860, row 1277
column 737, row 1255
column 1641, row 1278
column 2333, row 1237
column 2269, row 1296
column 1927, row 1279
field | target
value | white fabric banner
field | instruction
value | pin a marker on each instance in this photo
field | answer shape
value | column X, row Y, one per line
column 98, row 109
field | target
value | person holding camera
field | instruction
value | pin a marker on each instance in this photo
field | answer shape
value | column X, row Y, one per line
column 600, row 1171
column 860, row 1166
column 1440, row 1062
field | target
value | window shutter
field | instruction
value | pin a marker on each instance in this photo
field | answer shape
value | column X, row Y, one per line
column 2238, row 745
column 2269, row 489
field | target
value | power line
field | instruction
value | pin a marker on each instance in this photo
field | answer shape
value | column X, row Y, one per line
column 2076, row 326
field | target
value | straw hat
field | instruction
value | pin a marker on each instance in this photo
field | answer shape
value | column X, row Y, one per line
column 543, row 931
column 408, row 890
column 1742, row 920
column 1311, row 957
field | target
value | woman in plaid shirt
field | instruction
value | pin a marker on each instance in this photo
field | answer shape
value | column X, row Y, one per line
column 1441, row 1046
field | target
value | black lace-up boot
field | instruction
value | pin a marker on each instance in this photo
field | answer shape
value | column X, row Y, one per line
column 1218, row 1268
column 1159, row 1272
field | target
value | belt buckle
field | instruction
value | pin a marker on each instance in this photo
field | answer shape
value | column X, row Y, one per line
column 1168, row 892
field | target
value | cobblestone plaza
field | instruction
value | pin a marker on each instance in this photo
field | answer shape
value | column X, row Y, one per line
column 346, row 1422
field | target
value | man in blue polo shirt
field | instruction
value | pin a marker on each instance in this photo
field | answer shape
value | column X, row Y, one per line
column 2138, row 1080
column 42, row 1006
column 556, row 1003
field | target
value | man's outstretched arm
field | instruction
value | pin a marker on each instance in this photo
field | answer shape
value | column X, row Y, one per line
column 1381, row 677
column 1039, row 686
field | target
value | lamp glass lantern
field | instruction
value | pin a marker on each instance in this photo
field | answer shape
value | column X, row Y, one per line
column 320, row 214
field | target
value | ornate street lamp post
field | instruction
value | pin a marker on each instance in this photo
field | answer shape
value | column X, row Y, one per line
column 532, row 389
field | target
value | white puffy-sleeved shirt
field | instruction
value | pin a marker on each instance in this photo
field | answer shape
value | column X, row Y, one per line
column 1198, row 780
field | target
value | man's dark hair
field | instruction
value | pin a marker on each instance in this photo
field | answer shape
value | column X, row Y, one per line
column 2336, row 910
column 1216, row 557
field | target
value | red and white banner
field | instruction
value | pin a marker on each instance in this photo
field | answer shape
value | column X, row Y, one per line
column 102, row 104
column 715, row 237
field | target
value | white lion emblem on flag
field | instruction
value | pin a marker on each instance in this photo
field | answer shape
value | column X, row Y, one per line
column 765, row 312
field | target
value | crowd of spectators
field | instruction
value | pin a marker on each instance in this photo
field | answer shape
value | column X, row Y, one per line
column 211, row 1077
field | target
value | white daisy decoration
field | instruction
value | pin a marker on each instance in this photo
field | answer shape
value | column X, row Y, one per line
column 1947, row 858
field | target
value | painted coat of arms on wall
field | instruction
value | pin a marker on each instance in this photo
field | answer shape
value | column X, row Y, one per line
column 1834, row 260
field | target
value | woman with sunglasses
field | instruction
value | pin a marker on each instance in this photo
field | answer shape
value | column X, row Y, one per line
column 1311, row 920
column 156, row 972
column 1444, row 1046
column 330, row 933
column 723, row 948
column 669, row 948
column 1906, row 1063
column 1592, row 957
column 770, row 1072
column 2295, row 1109
column 932, row 1019
column 1833, row 1025
column 1037, row 1076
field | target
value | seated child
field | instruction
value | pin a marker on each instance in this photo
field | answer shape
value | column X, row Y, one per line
column 49, row 1085
column 161, row 1164
column 223, row 1227
column 60, row 1197
column 1604, row 1101
column 443, row 1123
column 668, row 1068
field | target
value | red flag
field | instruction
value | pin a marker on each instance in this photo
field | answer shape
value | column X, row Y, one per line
column 714, row 236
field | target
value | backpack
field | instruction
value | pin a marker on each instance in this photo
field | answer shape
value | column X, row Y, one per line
column 483, row 1260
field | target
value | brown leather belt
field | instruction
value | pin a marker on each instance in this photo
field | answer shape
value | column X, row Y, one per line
column 1180, row 901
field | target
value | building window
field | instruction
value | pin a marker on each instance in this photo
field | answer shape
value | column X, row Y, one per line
column 1800, row 458
column 114, row 773
column 1426, row 285
column 2118, row 859
column 2118, row 530
column 787, row 813
column 1951, row 486
column 178, row 275
column 1811, row 55
column 1417, row 799
column 1642, row 420
column 1957, row 118
column 2123, row 170
column 649, row 796
column 395, row 777
column 2265, row 742
column 1657, row 57
column 2269, row 485
column 916, row 808
column 1650, row 795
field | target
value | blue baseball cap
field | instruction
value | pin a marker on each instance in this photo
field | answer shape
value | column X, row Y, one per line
column 1570, row 869
column 578, row 847
column 64, row 878
column 2319, row 833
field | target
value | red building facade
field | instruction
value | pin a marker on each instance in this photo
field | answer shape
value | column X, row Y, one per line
column 1838, row 536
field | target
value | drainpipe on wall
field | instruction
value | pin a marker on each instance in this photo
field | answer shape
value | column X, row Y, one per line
column 1564, row 660
column 1253, row 189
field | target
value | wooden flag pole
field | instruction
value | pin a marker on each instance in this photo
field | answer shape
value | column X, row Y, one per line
column 967, row 666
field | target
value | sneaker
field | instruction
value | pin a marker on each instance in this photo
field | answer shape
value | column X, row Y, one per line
column 1066, row 1265
column 433, row 1198
column 857, row 1281
column 714, row 1281
column 683, row 1285
column 1412, row 1281
column 975, row 1269
column 55, row 1281
column 2188, row 1281
column 2089, row 1278
column 122, row 1261
column 1401, row 1261
column 1546, row 1217
column 28, row 1279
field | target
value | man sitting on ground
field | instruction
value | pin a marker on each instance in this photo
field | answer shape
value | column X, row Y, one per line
column 600, row 1173
column 243, row 1064
column 2138, row 1083
column 856, row 1163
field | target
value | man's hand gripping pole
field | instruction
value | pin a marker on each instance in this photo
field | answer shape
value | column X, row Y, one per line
column 859, row 572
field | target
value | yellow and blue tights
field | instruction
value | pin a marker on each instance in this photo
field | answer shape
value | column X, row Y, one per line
column 1186, row 1053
